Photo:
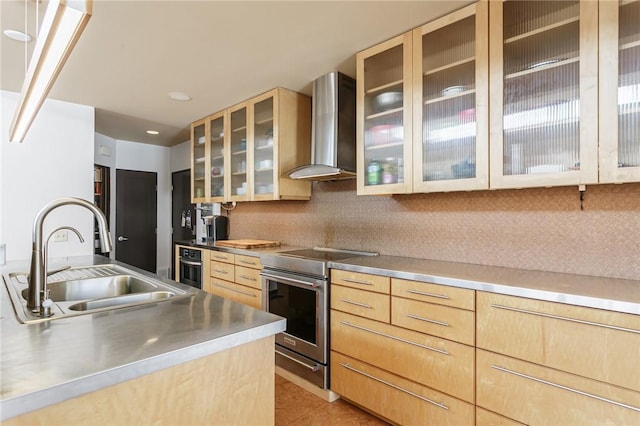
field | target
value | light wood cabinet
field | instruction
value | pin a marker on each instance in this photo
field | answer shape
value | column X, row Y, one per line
column 619, row 91
column 369, row 282
column 544, row 83
column 395, row 398
column 359, row 302
column 243, row 152
column 488, row 418
column 537, row 395
column 236, row 277
column 434, row 293
column 595, row 343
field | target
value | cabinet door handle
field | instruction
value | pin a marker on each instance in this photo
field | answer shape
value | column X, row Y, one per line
column 246, row 293
column 542, row 314
column 429, row 348
column 384, row 382
column 351, row 302
column 444, row 324
column 555, row 385
column 349, row 280
column 247, row 278
column 425, row 293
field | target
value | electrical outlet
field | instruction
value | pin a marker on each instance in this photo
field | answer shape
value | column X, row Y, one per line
column 60, row 236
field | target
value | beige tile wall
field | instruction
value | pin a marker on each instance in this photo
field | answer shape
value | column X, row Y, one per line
column 542, row 229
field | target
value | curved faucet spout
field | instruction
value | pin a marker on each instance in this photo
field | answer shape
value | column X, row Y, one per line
column 37, row 274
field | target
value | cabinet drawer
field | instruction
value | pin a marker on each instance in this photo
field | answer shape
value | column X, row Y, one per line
column 595, row 343
column 237, row 293
column 222, row 256
column 369, row 282
column 248, row 261
column 434, row 293
column 488, row 418
column 440, row 364
column 224, row 271
column 397, row 399
column 442, row 321
column 359, row 302
column 534, row 394
column 248, row 276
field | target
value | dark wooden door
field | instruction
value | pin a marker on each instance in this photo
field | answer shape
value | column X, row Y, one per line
column 181, row 204
column 136, row 218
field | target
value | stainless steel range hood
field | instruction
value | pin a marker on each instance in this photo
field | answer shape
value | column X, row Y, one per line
column 333, row 127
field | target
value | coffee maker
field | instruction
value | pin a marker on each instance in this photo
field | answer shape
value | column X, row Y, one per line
column 217, row 227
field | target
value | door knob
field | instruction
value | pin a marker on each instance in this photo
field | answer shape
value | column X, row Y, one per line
column 121, row 238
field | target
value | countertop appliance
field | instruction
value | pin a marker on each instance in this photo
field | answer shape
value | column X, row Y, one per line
column 333, row 130
column 191, row 267
column 217, row 227
column 295, row 285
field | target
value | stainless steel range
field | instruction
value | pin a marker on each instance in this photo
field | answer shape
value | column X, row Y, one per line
column 295, row 286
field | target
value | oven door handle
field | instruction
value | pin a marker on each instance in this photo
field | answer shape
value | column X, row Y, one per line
column 313, row 368
column 188, row 262
column 289, row 280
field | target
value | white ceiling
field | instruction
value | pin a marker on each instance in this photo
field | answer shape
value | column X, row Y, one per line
column 133, row 53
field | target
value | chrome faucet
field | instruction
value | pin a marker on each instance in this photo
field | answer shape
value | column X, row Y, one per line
column 38, row 274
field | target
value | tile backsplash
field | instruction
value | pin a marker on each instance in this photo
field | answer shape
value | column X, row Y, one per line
column 540, row 229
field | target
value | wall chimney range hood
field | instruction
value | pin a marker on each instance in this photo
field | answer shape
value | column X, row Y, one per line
column 333, row 130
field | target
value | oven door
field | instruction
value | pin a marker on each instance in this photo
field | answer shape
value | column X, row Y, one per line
column 191, row 272
column 302, row 301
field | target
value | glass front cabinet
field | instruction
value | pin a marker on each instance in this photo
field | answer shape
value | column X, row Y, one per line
column 450, row 111
column 619, row 91
column 244, row 152
column 384, row 109
column 544, row 88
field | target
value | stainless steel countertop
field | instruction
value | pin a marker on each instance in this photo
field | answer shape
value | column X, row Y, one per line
column 582, row 290
column 52, row 361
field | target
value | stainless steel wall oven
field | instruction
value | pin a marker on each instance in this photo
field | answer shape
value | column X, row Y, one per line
column 191, row 267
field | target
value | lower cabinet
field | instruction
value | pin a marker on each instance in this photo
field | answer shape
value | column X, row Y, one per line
column 395, row 398
column 236, row 277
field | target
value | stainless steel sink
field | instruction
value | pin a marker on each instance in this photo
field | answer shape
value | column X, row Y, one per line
column 84, row 290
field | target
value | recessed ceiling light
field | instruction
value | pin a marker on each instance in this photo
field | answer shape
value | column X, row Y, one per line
column 179, row 96
column 153, row 132
column 17, row 35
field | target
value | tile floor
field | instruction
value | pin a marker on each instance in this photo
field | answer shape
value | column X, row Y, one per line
column 297, row 407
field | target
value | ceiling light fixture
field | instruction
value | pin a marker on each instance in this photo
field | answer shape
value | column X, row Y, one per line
column 17, row 35
column 63, row 23
column 153, row 132
column 179, row 96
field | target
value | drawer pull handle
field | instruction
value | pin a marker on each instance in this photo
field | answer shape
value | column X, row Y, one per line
column 425, row 293
column 384, row 382
column 555, row 385
column 220, row 271
column 429, row 348
column 362, row 305
column 428, row 320
column 247, row 278
column 349, row 280
column 541, row 314
column 220, row 257
column 314, row 368
column 246, row 293
column 248, row 262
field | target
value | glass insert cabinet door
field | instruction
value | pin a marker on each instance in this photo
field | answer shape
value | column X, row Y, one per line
column 216, row 155
column 238, row 134
column 384, row 117
column 264, row 167
column 620, row 91
column 199, row 161
column 450, row 117
column 544, row 79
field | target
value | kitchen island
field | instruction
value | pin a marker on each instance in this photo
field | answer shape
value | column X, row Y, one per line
column 193, row 360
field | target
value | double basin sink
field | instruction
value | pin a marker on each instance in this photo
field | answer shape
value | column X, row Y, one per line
column 90, row 289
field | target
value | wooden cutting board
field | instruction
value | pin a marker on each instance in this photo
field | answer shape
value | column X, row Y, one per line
column 247, row 244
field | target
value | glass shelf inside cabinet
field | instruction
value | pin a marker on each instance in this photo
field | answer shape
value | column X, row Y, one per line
column 541, row 87
column 629, row 84
column 217, row 156
column 449, row 115
column 263, row 146
column 383, row 111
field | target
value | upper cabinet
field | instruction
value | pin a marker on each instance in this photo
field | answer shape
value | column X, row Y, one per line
column 244, row 152
column 384, row 109
column 544, row 93
column 450, row 111
column 620, row 91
